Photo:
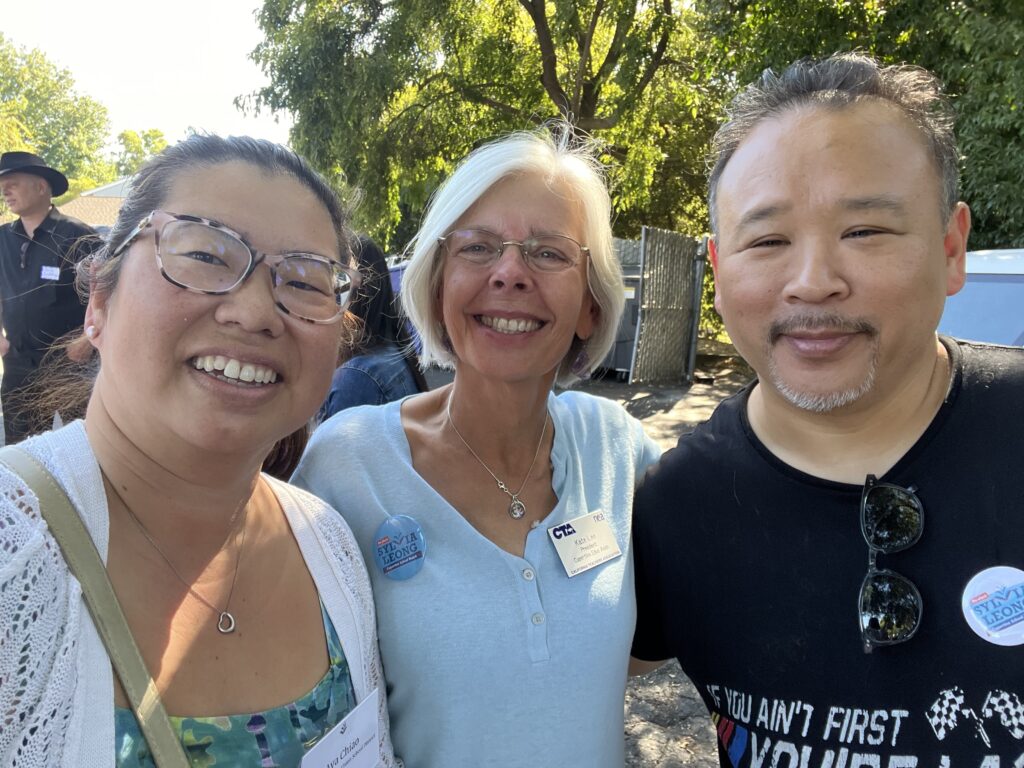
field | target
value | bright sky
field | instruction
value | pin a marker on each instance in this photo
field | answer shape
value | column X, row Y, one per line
column 153, row 65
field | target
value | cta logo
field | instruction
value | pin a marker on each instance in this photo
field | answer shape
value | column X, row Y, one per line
column 561, row 531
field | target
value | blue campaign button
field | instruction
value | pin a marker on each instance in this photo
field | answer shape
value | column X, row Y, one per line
column 399, row 547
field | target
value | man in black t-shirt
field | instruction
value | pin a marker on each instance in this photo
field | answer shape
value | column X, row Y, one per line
column 38, row 253
column 837, row 557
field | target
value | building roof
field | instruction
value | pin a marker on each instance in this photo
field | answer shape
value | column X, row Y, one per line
column 95, row 211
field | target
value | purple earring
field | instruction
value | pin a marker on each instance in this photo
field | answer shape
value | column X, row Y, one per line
column 580, row 363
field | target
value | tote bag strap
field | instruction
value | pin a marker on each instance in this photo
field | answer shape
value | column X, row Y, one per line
column 84, row 561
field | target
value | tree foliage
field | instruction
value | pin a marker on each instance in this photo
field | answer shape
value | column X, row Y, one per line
column 41, row 112
column 393, row 94
column 976, row 48
column 390, row 95
column 39, row 108
column 136, row 148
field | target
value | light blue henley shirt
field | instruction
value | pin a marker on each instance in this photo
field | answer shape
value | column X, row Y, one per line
column 493, row 659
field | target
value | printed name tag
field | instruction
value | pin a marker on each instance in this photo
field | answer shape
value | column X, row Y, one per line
column 584, row 543
column 352, row 743
column 50, row 273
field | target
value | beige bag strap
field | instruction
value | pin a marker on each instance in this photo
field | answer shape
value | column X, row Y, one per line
column 84, row 561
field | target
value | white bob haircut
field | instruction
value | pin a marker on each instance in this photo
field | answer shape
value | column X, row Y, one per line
column 569, row 167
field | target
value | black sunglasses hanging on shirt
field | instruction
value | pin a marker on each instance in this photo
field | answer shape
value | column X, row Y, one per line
column 890, row 606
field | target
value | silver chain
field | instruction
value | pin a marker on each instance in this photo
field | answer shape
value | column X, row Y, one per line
column 516, row 509
column 225, row 620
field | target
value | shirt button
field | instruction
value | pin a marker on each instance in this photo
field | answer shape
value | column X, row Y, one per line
column 538, row 618
column 528, row 574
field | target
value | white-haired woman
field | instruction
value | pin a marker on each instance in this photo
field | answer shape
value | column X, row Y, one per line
column 495, row 515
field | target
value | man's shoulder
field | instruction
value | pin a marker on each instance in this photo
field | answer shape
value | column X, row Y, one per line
column 981, row 352
column 10, row 229
column 720, row 441
column 990, row 367
column 727, row 422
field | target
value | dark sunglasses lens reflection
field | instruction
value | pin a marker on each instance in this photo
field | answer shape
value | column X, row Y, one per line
column 892, row 518
column 890, row 608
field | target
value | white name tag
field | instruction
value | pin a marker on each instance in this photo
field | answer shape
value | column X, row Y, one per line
column 50, row 273
column 584, row 543
column 352, row 743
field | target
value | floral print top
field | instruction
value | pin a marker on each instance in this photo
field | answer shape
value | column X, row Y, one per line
column 277, row 737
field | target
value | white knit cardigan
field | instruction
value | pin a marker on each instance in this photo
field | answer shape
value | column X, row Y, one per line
column 56, row 682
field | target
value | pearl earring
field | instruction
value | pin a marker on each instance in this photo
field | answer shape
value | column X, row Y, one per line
column 90, row 331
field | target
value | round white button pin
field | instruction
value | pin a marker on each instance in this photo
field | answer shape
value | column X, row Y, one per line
column 993, row 605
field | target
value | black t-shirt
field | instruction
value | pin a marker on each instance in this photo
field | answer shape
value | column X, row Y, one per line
column 37, row 279
column 748, row 571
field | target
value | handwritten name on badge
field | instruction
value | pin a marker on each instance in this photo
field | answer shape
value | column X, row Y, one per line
column 352, row 743
column 584, row 543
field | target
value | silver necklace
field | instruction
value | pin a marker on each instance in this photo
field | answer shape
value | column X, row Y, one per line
column 225, row 619
column 516, row 509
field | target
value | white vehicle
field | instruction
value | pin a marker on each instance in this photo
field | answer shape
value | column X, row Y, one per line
column 990, row 307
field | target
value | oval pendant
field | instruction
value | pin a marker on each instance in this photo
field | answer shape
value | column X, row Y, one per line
column 516, row 509
column 226, row 623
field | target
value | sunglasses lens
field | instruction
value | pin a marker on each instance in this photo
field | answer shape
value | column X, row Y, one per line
column 892, row 518
column 890, row 608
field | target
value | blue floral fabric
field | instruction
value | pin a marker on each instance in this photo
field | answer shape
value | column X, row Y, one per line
column 278, row 737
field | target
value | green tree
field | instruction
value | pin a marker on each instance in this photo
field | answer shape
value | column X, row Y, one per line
column 136, row 148
column 39, row 106
column 14, row 134
column 391, row 95
column 977, row 48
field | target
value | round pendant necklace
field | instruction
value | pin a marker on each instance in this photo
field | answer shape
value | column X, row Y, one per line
column 225, row 619
column 516, row 508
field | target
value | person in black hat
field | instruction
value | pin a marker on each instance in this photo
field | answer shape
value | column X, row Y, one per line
column 38, row 253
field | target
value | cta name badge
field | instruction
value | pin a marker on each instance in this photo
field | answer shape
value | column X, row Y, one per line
column 352, row 743
column 399, row 547
column 584, row 543
column 993, row 605
column 50, row 273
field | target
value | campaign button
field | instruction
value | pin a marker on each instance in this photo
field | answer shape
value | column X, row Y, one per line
column 399, row 547
column 993, row 605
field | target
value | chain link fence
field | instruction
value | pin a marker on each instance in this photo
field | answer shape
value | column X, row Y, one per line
column 657, row 339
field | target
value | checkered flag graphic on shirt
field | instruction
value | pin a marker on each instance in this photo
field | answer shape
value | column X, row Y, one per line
column 1009, row 709
column 945, row 713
